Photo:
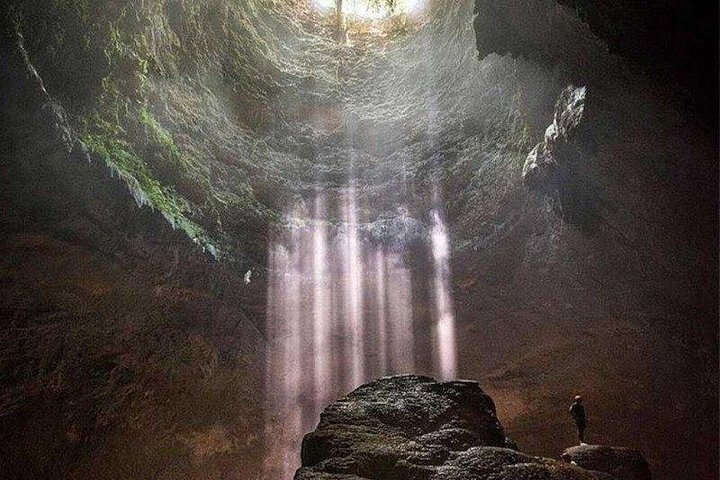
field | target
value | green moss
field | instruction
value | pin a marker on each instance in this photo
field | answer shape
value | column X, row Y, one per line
column 155, row 84
column 119, row 156
column 157, row 133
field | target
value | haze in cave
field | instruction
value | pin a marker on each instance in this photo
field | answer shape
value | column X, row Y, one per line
column 358, row 239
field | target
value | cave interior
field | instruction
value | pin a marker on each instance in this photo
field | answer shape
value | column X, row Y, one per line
column 218, row 217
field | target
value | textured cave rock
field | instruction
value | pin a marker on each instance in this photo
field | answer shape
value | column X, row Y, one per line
column 560, row 167
column 413, row 427
column 109, row 316
column 540, row 30
column 622, row 463
column 539, row 171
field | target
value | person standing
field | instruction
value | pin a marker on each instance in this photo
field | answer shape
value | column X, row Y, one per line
column 577, row 410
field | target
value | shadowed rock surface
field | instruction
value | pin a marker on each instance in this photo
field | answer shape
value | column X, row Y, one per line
column 622, row 463
column 560, row 166
column 412, row 427
column 535, row 29
column 546, row 157
column 661, row 37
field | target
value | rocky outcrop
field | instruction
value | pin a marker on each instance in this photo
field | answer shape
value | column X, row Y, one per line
column 412, row 427
column 663, row 38
column 560, row 166
column 540, row 30
column 542, row 164
column 621, row 463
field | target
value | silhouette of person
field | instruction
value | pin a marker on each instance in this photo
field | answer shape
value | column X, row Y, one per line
column 578, row 413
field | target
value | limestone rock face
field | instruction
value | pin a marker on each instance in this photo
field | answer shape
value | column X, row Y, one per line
column 540, row 169
column 541, row 30
column 562, row 166
column 622, row 463
column 412, row 427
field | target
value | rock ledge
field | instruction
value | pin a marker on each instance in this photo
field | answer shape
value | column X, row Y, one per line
column 414, row 428
column 621, row 463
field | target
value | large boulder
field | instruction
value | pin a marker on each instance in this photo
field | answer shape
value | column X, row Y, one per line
column 412, row 427
column 622, row 463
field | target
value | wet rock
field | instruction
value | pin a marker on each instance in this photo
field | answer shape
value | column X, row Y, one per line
column 401, row 426
column 539, row 169
column 622, row 463
column 412, row 427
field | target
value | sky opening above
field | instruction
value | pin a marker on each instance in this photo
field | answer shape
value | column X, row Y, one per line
column 365, row 10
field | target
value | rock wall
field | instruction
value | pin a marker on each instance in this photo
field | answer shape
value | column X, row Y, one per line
column 126, row 347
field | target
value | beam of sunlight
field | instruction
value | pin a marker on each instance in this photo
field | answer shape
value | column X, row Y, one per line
column 446, row 363
column 381, row 300
column 321, row 305
column 444, row 335
column 400, row 313
column 339, row 312
column 284, row 419
column 353, row 262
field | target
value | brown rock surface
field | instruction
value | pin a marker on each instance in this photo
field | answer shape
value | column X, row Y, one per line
column 622, row 463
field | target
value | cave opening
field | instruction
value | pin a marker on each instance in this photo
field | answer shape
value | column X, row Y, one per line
column 371, row 9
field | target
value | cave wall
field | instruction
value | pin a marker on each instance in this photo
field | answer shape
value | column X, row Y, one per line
column 665, row 39
column 630, row 299
column 126, row 346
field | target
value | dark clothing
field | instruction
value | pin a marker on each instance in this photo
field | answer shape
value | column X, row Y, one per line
column 578, row 413
column 581, row 432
